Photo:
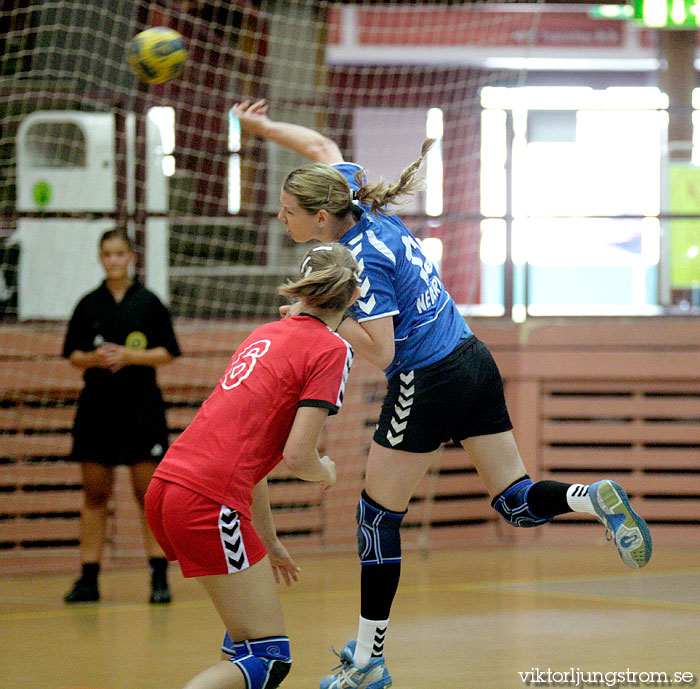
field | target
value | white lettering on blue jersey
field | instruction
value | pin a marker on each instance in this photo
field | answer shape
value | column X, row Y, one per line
column 430, row 296
column 423, row 263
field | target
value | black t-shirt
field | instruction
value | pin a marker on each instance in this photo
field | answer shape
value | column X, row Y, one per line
column 139, row 321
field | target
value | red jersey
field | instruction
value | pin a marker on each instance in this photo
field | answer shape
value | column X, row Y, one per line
column 238, row 435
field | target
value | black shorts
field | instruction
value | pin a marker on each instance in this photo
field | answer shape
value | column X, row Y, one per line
column 118, row 429
column 459, row 397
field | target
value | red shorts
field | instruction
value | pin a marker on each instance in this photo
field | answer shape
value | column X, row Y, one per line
column 204, row 537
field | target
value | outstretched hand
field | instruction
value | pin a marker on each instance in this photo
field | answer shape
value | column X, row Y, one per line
column 252, row 115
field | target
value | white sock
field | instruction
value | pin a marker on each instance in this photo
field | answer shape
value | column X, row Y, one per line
column 579, row 500
column 370, row 641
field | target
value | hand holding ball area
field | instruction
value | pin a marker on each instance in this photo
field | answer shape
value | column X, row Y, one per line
column 157, row 55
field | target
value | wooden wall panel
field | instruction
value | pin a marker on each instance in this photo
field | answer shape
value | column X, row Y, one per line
column 588, row 397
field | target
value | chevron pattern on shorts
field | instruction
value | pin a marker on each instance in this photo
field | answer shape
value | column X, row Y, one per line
column 232, row 540
column 402, row 408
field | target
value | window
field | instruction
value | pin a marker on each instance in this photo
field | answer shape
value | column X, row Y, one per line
column 389, row 139
column 234, row 164
column 579, row 158
column 164, row 118
column 56, row 145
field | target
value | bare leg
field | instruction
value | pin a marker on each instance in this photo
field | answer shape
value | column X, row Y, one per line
column 98, row 481
column 392, row 475
column 496, row 459
column 249, row 606
column 141, row 475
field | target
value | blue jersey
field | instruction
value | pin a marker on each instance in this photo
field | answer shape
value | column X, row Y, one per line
column 399, row 281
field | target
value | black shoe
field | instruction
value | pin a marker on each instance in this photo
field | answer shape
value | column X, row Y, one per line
column 160, row 592
column 83, row 591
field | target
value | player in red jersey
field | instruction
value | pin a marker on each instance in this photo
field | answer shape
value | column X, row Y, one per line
column 208, row 503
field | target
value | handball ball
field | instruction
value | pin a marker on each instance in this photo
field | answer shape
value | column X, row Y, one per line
column 157, row 55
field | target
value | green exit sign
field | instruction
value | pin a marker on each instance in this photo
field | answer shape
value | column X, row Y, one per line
column 659, row 14
column 611, row 11
column 667, row 14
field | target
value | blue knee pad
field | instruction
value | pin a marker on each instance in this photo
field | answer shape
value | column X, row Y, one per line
column 512, row 505
column 263, row 662
column 378, row 537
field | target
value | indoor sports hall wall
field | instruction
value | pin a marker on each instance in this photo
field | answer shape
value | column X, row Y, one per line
column 545, row 207
column 613, row 398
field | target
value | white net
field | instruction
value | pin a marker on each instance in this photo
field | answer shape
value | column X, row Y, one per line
column 84, row 144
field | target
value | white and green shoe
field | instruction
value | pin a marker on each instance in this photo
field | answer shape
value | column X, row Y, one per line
column 626, row 528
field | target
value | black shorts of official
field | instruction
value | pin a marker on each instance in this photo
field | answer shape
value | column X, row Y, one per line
column 113, row 430
column 456, row 398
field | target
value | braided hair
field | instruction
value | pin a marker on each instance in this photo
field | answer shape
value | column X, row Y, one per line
column 319, row 186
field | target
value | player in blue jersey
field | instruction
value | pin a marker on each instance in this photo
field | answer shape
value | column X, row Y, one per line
column 443, row 384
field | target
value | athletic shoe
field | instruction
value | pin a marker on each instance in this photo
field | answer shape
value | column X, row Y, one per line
column 374, row 676
column 160, row 592
column 83, row 591
column 626, row 528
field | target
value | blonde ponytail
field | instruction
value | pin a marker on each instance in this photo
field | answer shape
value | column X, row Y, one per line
column 320, row 186
column 381, row 194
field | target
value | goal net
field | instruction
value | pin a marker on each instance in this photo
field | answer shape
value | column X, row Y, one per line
column 84, row 145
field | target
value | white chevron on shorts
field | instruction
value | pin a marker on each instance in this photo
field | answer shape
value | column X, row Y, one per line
column 401, row 413
column 402, row 408
column 398, row 427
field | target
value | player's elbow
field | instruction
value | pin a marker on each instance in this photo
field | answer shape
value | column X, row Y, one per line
column 325, row 150
column 385, row 356
column 298, row 457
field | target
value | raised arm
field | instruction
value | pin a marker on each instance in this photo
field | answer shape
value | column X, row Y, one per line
column 304, row 141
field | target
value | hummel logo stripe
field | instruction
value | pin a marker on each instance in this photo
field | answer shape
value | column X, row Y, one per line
column 237, row 564
column 378, row 645
column 394, row 440
column 402, row 408
column 233, row 546
column 368, row 305
column 398, row 427
column 230, row 517
column 232, row 540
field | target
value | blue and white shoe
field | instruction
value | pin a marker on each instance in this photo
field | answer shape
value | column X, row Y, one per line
column 627, row 529
column 374, row 676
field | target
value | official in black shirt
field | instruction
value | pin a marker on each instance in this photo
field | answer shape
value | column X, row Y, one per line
column 118, row 334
